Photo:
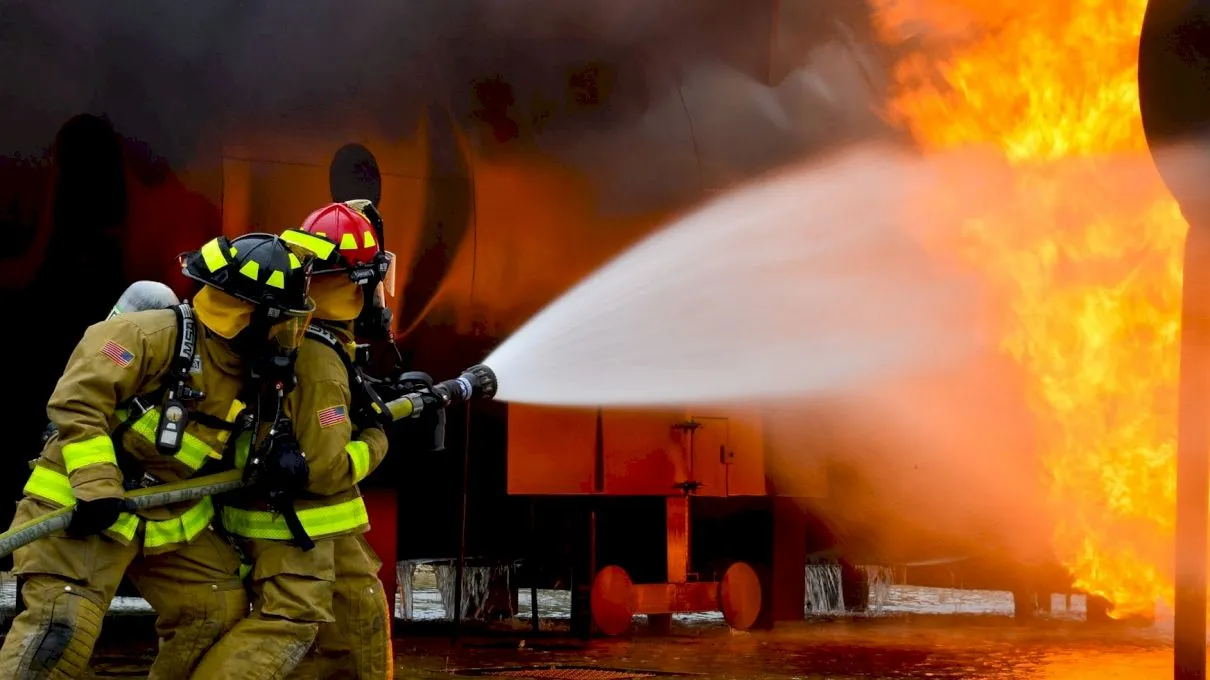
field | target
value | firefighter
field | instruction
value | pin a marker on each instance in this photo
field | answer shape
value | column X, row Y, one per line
column 147, row 398
column 329, row 595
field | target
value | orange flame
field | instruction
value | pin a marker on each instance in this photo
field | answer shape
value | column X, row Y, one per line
column 1086, row 260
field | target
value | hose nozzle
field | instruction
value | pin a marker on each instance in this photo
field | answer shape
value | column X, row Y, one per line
column 476, row 382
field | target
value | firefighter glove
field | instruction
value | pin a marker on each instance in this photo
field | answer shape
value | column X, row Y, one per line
column 93, row 517
column 286, row 469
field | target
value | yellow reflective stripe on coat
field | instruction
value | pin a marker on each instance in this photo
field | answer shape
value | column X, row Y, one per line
column 194, row 451
column 98, row 449
column 54, row 487
column 180, row 529
column 322, row 521
column 243, row 447
column 359, row 455
column 50, row 486
column 126, row 526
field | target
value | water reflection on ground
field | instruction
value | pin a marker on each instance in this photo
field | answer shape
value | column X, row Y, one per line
column 903, row 647
column 913, row 633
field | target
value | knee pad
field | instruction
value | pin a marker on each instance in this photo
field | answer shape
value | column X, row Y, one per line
column 66, row 627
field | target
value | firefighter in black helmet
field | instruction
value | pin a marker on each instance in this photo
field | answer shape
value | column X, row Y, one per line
column 147, row 398
column 270, row 277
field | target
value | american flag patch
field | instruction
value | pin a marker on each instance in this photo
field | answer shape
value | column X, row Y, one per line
column 117, row 353
column 333, row 415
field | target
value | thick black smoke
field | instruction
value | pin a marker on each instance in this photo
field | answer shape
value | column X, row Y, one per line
column 761, row 80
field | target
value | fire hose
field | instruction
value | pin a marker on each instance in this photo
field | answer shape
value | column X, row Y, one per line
column 139, row 499
column 477, row 382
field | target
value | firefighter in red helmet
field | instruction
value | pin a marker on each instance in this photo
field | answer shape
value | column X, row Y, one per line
column 330, row 597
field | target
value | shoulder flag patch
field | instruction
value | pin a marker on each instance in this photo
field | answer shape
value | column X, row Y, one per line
column 117, row 353
column 333, row 415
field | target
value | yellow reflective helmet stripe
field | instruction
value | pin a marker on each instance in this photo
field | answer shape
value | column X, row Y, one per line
column 277, row 280
column 322, row 247
column 251, row 269
column 318, row 522
column 359, row 455
column 91, row 451
column 212, row 255
column 348, row 241
column 49, row 486
column 180, row 529
column 369, row 239
column 294, row 261
column 55, row 488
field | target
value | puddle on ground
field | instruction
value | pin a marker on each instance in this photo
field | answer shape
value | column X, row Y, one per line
column 911, row 633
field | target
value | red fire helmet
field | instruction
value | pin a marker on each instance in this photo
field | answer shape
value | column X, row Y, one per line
column 350, row 227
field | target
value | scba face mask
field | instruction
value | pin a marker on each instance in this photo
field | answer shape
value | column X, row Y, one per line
column 287, row 335
column 374, row 321
column 273, row 365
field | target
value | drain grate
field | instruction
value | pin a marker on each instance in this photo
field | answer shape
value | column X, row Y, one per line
column 562, row 673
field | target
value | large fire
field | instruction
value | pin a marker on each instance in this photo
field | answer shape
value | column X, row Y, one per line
column 1087, row 260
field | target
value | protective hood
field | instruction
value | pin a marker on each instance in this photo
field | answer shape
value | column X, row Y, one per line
column 336, row 298
column 224, row 314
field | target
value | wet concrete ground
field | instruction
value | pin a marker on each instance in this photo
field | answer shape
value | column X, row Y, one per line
column 898, row 647
column 913, row 633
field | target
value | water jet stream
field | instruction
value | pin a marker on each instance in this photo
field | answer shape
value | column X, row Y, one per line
column 801, row 283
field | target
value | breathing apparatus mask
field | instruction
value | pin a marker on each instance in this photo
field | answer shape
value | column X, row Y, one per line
column 375, row 278
column 374, row 321
column 270, row 345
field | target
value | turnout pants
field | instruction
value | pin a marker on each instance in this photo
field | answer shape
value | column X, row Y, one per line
column 292, row 595
column 358, row 645
column 69, row 583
